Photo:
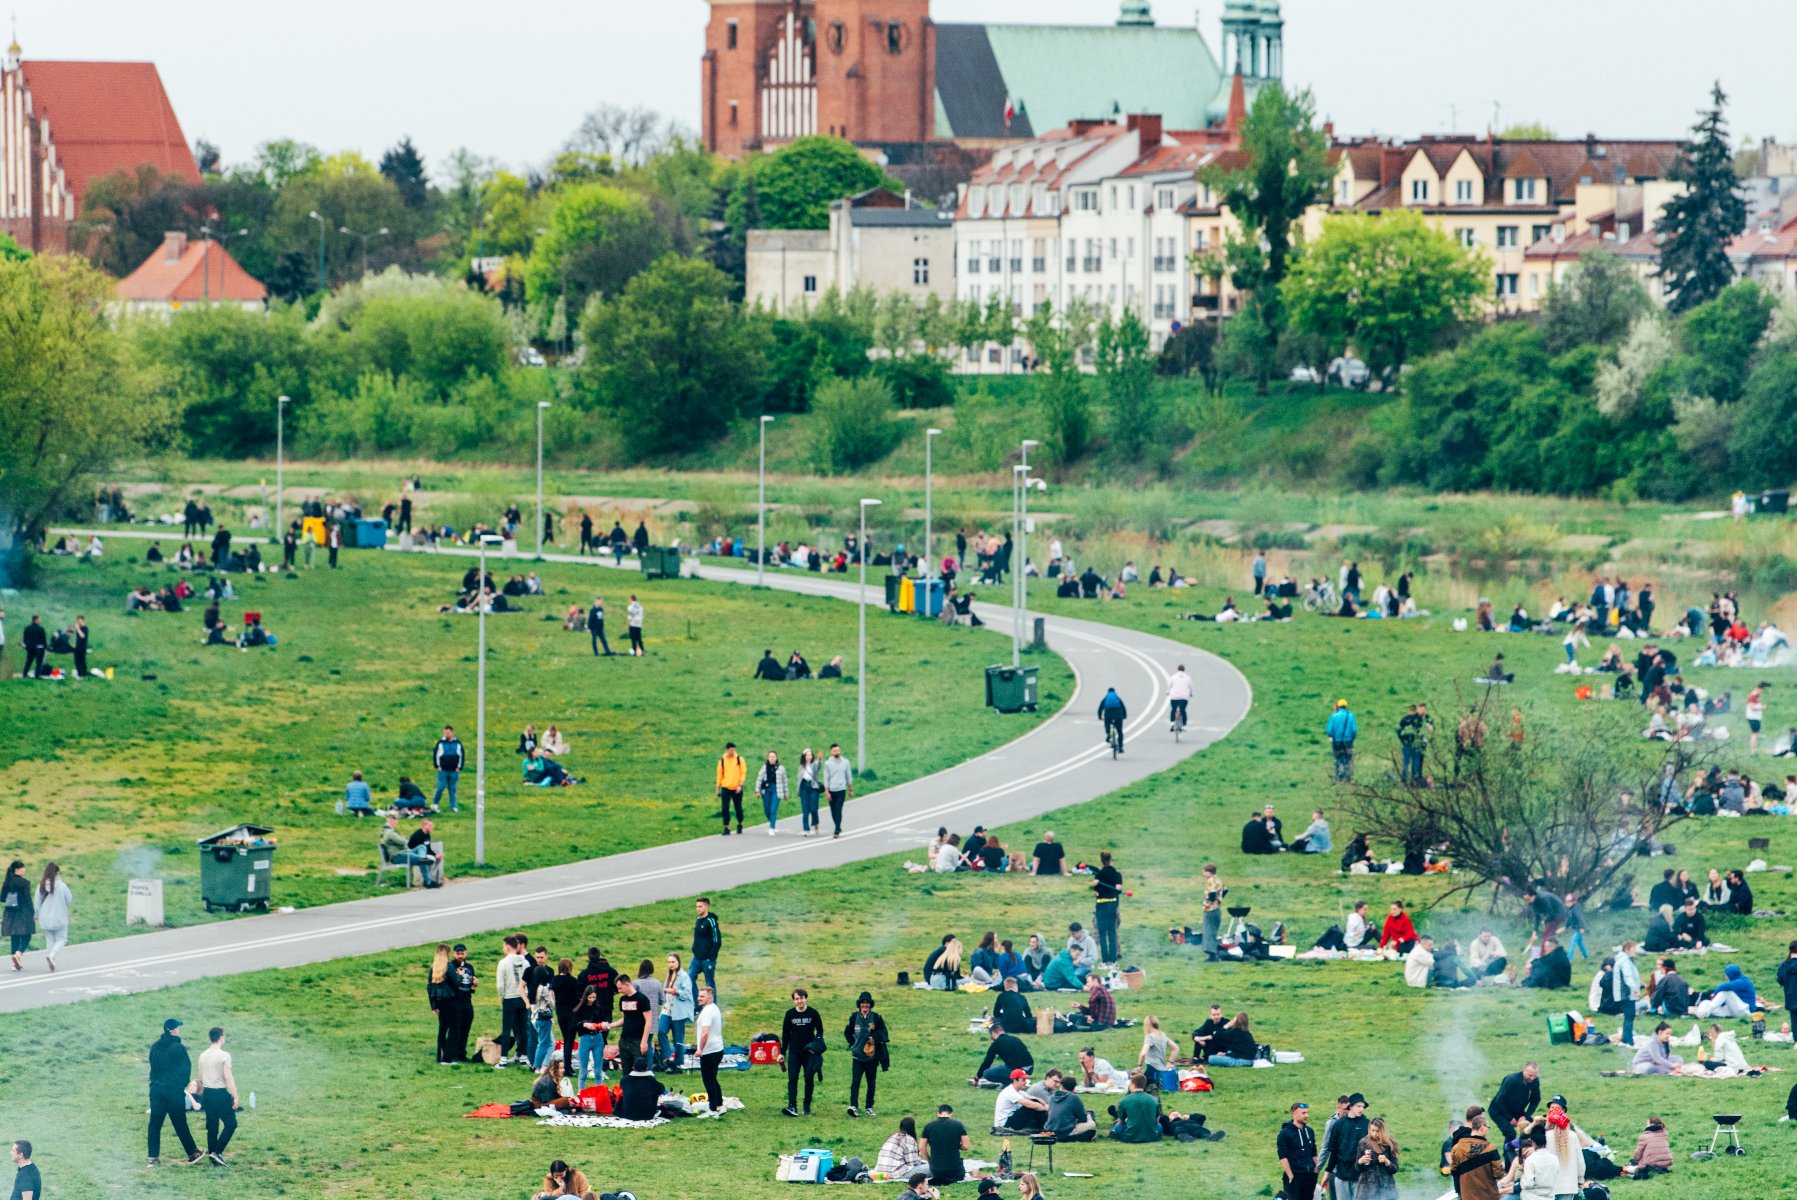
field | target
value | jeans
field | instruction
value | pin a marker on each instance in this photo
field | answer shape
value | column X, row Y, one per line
column 670, row 1041
column 1224, row 1060
column 1628, row 1021
column 708, row 1074
column 461, row 1011
column 1176, row 712
column 599, row 638
column 169, row 1103
column 1412, row 764
column 1105, row 917
column 446, row 781
column 514, row 1028
column 543, row 1047
column 858, row 1071
column 808, row 807
column 1577, row 942
column 21, row 942
column 1344, row 760
column 445, row 1031
column 708, row 967
column 836, row 803
column 221, row 1122
column 589, row 1059
column 770, row 806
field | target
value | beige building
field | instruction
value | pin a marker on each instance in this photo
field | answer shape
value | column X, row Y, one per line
column 878, row 240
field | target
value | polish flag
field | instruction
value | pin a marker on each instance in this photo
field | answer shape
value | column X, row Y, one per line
column 1010, row 112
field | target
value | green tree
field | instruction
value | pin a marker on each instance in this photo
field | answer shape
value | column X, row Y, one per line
column 796, row 183
column 1126, row 374
column 1719, row 338
column 1763, row 442
column 1057, row 340
column 225, row 367
column 404, row 167
column 345, row 192
column 1385, row 285
column 129, row 212
column 1527, row 131
column 599, row 236
column 1696, row 227
column 1594, row 305
column 74, row 397
column 11, row 250
column 852, row 422
column 424, row 328
column 283, row 159
column 1283, row 170
column 672, row 358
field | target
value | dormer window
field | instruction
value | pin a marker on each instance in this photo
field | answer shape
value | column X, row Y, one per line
column 1525, row 189
column 1419, row 191
column 1463, row 191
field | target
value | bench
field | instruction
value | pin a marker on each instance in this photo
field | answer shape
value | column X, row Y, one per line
column 388, row 863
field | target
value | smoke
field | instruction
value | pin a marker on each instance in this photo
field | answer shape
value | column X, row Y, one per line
column 138, row 862
column 1461, row 1071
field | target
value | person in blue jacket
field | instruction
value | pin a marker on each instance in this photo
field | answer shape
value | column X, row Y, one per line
column 1733, row 997
column 1342, row 730
column 1112, row 713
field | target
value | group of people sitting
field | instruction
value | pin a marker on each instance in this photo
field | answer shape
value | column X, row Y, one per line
column 540, row 754
column 997, row 963
column 796, row 667
column 416, row 850
column 1729, row 793
column 1053, row 1106
column 1278, row 608
column 358, row 799
column 1264, row 833
column 1678, row 905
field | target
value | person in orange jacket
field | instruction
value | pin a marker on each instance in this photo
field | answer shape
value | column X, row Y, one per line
column 732, row 772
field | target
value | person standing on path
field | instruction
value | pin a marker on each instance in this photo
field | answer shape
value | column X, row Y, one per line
column 36, row 642
column 801, row 1050
column 710, row 1048
column 218, row 1095
column 463, row 981
column 405, row 515
column 81, row 638
column 1341, row 730
column 27, row 1183
column 1107, row 888
column 770, row 785
column 170, row 1071
column 53, row 899
column 17, row 917
column 640, row 539
column 596, row 626
column 448, row 758
column 586, row 532
column 289, row 545
column 839, row 782
column 633, row 617
column 708, row 939
column 868, row 1056
column 732, row 773
column 1297, row 1147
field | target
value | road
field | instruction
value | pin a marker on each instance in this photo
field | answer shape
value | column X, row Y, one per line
column 1061, row 761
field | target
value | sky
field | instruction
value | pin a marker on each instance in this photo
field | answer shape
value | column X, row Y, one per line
column 511, row 82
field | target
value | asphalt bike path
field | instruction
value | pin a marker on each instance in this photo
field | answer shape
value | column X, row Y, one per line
column 1063, row 760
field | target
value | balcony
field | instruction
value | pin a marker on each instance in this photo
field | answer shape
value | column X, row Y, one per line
column 1204, row 303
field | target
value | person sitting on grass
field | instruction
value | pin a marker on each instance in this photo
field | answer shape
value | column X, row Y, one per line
column 1010, row 965
column 1485, row 958
column 1689, row 930
column 1315, row 838
column 641, row 1099
column 1551, row 968
column 254, row 635
column 769, row 668
column 1138, row 1115
column 545, row 772
column 1654, row 1056
column 546, row 1092
column 1653, row 1152
column 1419, row 964
column 1067, row 1118
column 1006, row 1049
column 1064, row 973
column 1011, row 1010
column 564, row 1180
column 1399, row 933
column 1098, row 1012
column 357, row 800
column 1015, row 1110
column 831, row 669
column 1234, row 1045
column 797, row 667
column 944, row 961
column 412, row 799
column 900, row 1156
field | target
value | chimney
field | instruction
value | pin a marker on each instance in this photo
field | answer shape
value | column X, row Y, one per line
column 1148, row 130
column 174, row 242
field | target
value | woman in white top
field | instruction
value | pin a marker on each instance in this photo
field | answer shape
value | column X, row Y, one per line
column 948, row 856
column 1157, row 1053
column 553, row 743
column 53, row 898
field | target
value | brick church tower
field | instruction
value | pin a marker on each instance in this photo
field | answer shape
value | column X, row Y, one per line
column 774, row 70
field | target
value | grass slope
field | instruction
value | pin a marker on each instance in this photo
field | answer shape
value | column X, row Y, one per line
column 351, row 1105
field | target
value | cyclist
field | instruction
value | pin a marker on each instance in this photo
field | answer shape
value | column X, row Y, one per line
column 1113, row 714
column 1179, row 692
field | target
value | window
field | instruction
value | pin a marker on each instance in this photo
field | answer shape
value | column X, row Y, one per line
column 1466, row 237
column 1039, row 255
column 730, row 35
column 973, row 293
column 1419, row 191
column 1198, row 241
column 995, row 256
column 1463, row 191
column 1525, row 189
column 1208, row 202
column 1016, row 256
column 810, row 284
column 973, row 258
column 1054, row 204
column 895, row 37
column 1130, row 252
column 973, row 354
column 733, row 114
column 1540, row 233
column 920, row 270
column 1085, row 200
column 1506, row 284
column 1163, row 198
column 1534, row 283
column 1506, row 237
column 1113, row 250
column 1113, row 195
column 1132, row 195
column 1342, row 191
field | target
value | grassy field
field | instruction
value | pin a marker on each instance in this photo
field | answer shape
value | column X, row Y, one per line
column 116, row 779
column 351, row 1105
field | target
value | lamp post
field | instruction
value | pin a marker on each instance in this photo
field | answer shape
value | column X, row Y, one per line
column 929, row 444
column 366, row 238
column 321, row 228
column 480, row 707
column 541, row 405
column 861, row 670
column 761, row 509
column 281, row 403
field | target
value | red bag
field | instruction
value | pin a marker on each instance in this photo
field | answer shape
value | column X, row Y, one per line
column 1196, row 1083
column 594, row 1099
column 763, row 1052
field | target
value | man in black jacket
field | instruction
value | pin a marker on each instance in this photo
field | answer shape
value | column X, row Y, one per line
column 866, row 1034
column 1297, row 1147
column 170, row 1071
column 36, row 642
column 769, row 668
column 802, row 1026
column 1341, row 1156
column 462, row 980
column 1008, row 1049
column 1787, row 979
column 1204, row 1037
column 596, row 626
column 1011, row 1010
column 1551, row 968
column 1517, row 1097
column 708, row 939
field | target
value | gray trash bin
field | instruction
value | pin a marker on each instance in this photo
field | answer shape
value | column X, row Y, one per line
column 1011, row 689
column 236, row 868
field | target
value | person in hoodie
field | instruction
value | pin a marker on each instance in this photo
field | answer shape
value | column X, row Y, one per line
column 1062, row 974
column 1067, row 1118
column 1296, row 1146
column 1341, row 1148
column 641, row 1097
column 170, row 1071
column 1419, row 964
column 1654, row 1055
column 1724, row 1051
column 1733, row 997
column 868, row 1056
column 1474, row 1164
column 1036, row 958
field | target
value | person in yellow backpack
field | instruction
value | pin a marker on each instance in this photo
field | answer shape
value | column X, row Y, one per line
column 732, row 773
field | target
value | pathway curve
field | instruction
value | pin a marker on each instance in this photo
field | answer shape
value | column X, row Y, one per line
column 1061, row 761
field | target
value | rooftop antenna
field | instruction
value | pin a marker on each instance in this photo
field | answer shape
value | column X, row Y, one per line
column 1497, row 114
column 1453, row 116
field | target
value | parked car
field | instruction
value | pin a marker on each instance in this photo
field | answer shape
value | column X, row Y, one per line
column 1349, row 372
column 530, row 356
column 1304, row 375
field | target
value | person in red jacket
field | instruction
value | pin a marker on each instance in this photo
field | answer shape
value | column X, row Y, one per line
column 1398, row 933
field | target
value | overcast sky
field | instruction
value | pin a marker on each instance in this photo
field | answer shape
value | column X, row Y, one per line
column 510, row 81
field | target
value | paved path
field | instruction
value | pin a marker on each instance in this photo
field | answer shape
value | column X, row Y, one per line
column 1061, row 761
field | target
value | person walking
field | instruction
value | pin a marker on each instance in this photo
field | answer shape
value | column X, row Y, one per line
column 770, row 785
column 463, row 981
column 1107, row 890
column 17, row 916
column 36, row 643
column 731, row 774
column 27, row 1181
column 448, row 758
column 868, row 1055
column 839, row 782
column 596, row 626
column 218, row 1095
column 1297, row 1149
column 633, row 617
column 809, row 790
column 676, row 1011
column 1341, row 730
column 440, row 991
column 53, row 900
column 170, row 1071
column 801, row 1050
column 1414, row 728
column 708, row 939
column 710, row 1048
column 81, row 638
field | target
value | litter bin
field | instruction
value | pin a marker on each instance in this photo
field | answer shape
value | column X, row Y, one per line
column 1773, row 502
column 929, row 598
column 1011, row 689
column 369, row 534
column 661, row 562
column 236, row 867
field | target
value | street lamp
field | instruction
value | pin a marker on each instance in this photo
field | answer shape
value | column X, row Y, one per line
column 541, row 405
column 480, row 707
column 761, row 510
column 321, row 228
column 929, row 444
column 1019, row 580
column 210, row 234
column 861, row 671
column 366, row 238
column 281, row 403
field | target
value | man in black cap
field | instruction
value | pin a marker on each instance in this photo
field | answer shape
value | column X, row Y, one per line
column 866, row 1034
column 1341, row 1156
column 461, row 1011
column 170, row 1071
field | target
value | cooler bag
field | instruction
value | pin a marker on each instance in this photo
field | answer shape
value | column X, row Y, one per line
column 810, row 1166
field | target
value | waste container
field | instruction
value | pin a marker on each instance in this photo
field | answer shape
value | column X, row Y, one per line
column 236, row 867
column 1011, row 689
column 892, row 591
column 1773, row 502
column 369, row 533
column 929, row 597
column 661, row 562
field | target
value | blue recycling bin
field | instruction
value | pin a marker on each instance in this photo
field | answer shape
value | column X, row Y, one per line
column 368, row 534
column 929, row 597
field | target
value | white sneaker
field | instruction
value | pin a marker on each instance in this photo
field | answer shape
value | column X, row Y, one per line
column 770, row 831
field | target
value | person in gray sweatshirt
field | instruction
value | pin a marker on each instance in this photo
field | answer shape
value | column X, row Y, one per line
column 839, row 782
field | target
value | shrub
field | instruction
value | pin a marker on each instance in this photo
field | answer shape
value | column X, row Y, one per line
column 852, row 422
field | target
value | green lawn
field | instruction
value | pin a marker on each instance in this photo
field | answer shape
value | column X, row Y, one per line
column 116, row 780
column 351, row 1105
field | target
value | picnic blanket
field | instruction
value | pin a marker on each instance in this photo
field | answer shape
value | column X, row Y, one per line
column 599, row 1121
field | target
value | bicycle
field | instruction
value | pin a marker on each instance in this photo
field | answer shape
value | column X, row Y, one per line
column 1320, row 597
column 1113, row 734
column 1177, row 718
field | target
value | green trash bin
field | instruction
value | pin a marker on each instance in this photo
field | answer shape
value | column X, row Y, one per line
column 661, row 562
column 1011, row 689
column 236, row 868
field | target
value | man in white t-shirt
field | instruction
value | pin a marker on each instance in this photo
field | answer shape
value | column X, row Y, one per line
column 709, row 1042
column 1016, row 1110
column 218, row 1095
column 1179, row 695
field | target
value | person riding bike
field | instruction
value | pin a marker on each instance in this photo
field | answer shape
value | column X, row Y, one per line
column 1113, row 714
column 1179, row 692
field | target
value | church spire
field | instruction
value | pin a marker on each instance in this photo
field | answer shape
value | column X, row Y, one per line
column 13, row 53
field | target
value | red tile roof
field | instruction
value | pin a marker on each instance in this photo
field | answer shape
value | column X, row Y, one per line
column 1765, row 247
column 106, row 117
column 180, row 270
